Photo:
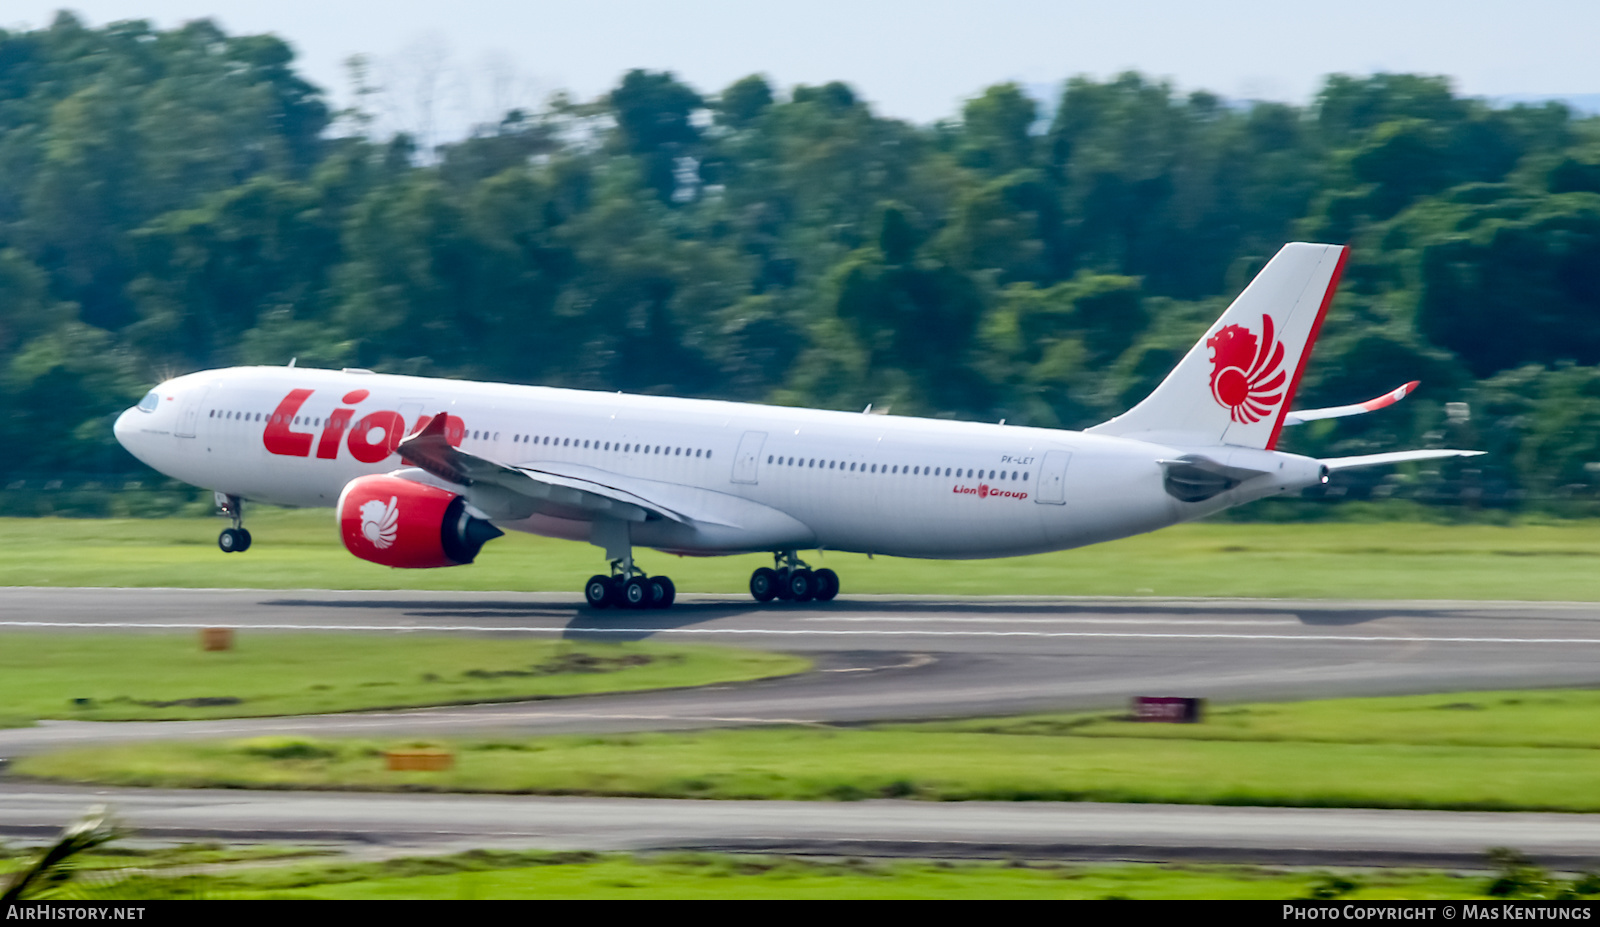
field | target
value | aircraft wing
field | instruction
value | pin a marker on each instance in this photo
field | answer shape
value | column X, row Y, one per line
column 1376, row 460
column 532, row 490
column 1371, row 405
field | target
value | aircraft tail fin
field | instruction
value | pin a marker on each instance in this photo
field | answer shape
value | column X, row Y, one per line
column 1235, row 385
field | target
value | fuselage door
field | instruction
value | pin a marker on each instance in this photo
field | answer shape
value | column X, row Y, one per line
column 1053, row 478
column 747, row 459
column 189, row 411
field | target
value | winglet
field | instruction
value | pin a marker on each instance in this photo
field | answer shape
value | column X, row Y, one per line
column 431, row 450
column 1391, row 397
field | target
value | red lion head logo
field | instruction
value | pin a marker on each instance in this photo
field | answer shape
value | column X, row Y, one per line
column 1246, row 375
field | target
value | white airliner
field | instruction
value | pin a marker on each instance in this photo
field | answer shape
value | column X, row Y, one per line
column 422, row 472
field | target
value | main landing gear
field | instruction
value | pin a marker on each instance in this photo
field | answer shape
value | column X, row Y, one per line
column 629, row 587
column 793, row 581
column 236, row 539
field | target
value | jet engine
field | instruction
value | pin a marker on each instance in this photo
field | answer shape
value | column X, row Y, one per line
column 399, row 523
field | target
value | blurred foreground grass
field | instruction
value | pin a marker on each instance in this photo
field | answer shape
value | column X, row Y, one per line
column 482, row 874
column 300, row 549
column 166, row 676
column 1502, row 751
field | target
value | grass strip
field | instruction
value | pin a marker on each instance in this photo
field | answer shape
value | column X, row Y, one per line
column 1358, row 754
column 482, row 874
column 166, row 676
column 300, row 549
column 850, row 764
column 1535, row 718
column 121, row 857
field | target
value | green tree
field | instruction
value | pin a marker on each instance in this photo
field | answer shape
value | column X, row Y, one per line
column 655, row 123
column 997, row 130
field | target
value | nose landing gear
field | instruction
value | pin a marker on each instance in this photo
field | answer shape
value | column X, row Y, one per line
column 793, row 581
column 236, row 539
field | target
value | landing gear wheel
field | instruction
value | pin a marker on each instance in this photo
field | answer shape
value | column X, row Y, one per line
column 827, row 585
column 801, row 586
column 637, row 593
column 782, row 592
column 764, row 584
column 233, row 540
column 666, row 592
column 598, row 591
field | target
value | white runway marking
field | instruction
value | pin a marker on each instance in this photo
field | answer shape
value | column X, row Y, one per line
column 811, row 632
column 1076, row 619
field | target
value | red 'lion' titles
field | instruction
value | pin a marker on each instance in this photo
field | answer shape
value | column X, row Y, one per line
column 376, row 436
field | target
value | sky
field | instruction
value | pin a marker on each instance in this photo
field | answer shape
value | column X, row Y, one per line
column 912, row 59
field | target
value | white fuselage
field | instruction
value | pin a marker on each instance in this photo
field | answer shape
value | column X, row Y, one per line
column 881, row 484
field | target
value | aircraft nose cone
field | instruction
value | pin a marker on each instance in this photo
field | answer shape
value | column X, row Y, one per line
column 126, row 429
column 123, row 428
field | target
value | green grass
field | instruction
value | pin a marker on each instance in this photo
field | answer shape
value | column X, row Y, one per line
column 534, row 875
column 163, row 676
column 1537, row 718
column 1514, row 752
column 300, row 549
column 116, row 856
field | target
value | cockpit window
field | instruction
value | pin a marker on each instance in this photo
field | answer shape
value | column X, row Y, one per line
column 150, row 401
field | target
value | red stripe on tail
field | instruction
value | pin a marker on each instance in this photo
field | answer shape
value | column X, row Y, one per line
column 1311, row 342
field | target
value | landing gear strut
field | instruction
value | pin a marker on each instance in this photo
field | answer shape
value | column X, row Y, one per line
column 236, row 539
column 793, row 580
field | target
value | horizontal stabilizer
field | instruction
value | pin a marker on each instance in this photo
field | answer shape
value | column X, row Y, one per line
column 1371, row 405
column 1378, row 460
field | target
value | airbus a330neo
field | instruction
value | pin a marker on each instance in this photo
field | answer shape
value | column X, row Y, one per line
column 423, row 472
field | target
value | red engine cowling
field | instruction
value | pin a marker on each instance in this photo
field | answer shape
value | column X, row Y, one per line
column 399, row 523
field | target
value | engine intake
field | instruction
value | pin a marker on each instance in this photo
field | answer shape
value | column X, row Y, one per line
column 409, row 525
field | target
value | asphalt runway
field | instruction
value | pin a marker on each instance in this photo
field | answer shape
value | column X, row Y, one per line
column 879, row 658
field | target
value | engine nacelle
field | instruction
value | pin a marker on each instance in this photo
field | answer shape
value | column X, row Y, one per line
column 399, row 523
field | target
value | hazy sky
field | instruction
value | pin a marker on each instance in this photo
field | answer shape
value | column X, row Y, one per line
column 915, row 59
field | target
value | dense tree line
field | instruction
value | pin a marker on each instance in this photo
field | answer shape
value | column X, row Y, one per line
column 175, row 200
